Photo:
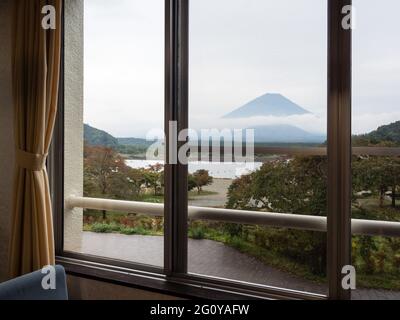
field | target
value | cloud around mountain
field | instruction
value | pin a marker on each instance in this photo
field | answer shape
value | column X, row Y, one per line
column 283, row 133
column 273, row 117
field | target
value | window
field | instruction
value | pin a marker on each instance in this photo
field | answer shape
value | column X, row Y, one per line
column 123, row 111
column 270, row 219
column 255, row 80
column 375, row 129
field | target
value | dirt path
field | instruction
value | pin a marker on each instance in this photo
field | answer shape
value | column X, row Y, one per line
column 217, row 200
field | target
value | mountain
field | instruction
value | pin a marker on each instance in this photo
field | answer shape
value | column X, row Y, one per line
column 134, row 141
column 386, row 135
column 96, row 137
column 270, row 104
column 283, row 133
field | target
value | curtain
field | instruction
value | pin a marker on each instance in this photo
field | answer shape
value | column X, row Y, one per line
column 36, row 67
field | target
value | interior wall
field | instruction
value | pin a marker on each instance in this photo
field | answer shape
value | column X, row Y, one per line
column 6, row 135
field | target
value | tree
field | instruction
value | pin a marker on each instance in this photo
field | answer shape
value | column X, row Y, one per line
column 136, row 178
column 298, row 186
column 239, row 193
column 154, row 177
column 377, row 174
column 191, row 182
column 105, row 174
column 201, row 178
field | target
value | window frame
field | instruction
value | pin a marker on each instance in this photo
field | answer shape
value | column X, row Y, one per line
column 173, row 277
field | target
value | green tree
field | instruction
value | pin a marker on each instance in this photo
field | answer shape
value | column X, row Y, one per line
column 191, row 182
column 377, row 174
column 154, row 177
column 292, row 186
column 298, row 186
column 136, row 178
column 240, row 194
column 201, row 178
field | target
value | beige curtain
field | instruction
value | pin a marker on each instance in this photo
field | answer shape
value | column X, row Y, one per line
column 36, row 65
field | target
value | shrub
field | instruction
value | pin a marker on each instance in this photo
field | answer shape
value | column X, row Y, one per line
column 197, row 233
column 233, row 229
column 135, row 230
column 105, row 228
column 237, row 243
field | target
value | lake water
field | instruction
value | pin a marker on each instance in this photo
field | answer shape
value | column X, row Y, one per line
column 221, row 170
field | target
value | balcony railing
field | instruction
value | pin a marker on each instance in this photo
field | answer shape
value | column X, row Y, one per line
column 304, row 151
column 283, row 220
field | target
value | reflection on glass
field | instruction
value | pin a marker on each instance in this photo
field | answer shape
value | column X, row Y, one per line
column 254, row 69
column 123, row 101
column 376, row 124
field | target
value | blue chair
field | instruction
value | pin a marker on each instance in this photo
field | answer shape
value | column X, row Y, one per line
column 29, row 287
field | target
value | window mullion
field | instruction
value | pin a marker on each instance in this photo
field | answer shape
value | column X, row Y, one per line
column 339, row 148
column 176, row 110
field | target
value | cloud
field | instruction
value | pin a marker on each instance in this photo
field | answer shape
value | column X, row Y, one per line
column 368, row 122
column 308, row 122
column 239, row 50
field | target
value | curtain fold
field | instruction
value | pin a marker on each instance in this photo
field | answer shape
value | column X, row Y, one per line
column 36, row 67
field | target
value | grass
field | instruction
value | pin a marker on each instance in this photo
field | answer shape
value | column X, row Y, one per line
column 151, row 198
column 117, row 222
column 368, row 208
column 386, row 281
column 194, row 193
column 116, row 228
column 196, row 233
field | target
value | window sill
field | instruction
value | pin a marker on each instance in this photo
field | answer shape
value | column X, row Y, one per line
column 181, row 286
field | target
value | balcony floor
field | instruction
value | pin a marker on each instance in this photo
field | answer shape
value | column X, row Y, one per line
column 210, row 258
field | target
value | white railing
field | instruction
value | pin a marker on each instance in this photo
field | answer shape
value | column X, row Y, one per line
column 290, row 221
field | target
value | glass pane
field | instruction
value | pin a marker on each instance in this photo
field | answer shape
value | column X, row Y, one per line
column 376, row 100
column 255, row 72
column 123, row 106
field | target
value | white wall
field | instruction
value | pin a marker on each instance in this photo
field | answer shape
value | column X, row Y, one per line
column 6, row 135
column 73, row 117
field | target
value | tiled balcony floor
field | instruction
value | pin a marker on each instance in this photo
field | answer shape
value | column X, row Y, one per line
column 209, row 258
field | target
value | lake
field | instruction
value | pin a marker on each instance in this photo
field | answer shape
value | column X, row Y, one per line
column 220, row 170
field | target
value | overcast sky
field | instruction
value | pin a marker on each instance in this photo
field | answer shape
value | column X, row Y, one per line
column 239, row 50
